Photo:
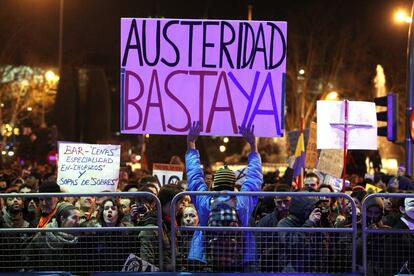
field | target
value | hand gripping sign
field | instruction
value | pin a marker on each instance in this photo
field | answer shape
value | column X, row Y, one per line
column 222, row 73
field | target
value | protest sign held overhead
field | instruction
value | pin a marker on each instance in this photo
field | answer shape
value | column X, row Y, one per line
column 167, row 173
column 361, row 122
column 88, row 167
column 223, row 73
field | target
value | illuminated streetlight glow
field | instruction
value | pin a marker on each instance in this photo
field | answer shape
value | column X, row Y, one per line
column 401, row 16
column 3, row 152
column 10, row 153
column 138, row 157
column 301, row 72
column 226, row 140
column 147, row 135
column 29, row 109
column 222, row 148
column 332, row 96
column 51, row 76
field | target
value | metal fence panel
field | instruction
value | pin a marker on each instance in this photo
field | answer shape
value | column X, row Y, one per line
column 80, row 250
column 272, row 249
column 386, row 251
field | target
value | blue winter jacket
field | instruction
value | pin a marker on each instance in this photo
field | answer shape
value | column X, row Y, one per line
column 245, row 204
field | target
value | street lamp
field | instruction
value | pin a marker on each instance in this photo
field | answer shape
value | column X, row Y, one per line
column 332, row 96
column 401, row 16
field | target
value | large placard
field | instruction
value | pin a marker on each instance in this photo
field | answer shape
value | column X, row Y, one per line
column 89, row 168
column 223, row 73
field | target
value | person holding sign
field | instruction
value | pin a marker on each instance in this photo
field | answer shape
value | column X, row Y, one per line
column 243, row 207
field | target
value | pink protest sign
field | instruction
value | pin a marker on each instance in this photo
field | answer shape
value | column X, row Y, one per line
column 222, row 73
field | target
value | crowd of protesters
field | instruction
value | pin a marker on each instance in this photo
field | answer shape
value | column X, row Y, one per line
column 274, row 251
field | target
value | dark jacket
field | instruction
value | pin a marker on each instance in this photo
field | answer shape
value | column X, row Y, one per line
column 295, row 248
column 52, row 251
column 149, row 242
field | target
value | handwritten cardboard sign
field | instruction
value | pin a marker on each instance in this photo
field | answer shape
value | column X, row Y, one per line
column 88, row 167
column 311, row 154
column 331, row 162
column 362, row 123
column 223, row 73
column 167, row 173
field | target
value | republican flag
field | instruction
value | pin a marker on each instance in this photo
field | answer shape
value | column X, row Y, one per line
column 299, row 156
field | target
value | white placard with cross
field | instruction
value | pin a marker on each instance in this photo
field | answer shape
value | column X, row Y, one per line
column 361, row 125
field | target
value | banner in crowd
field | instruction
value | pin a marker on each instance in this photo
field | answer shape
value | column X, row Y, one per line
column 223, row 73
column 88, row 168
column 311, row 154
column 167, row 173
column 331, row 161
column 362, row 122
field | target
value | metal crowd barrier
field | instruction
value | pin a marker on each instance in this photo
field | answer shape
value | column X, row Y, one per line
column 386, row 251
column 279, row 250
column 79, row 250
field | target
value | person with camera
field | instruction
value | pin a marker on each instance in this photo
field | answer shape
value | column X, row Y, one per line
column 296, row 247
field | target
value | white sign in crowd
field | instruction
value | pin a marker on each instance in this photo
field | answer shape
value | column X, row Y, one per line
column 88, row 168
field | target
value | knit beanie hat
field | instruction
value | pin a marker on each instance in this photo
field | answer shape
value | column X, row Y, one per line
column 61, row 208
column 224, row 180
column 49, row 187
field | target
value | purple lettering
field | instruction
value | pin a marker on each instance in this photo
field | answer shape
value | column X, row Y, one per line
column 154, row 78
column 132, row 102
column 215, row 108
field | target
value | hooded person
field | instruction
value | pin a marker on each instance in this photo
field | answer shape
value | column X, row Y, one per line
column 223, row 181
column 294, row 247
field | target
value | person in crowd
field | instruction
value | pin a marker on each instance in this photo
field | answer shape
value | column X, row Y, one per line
column 227, row 253
column 49, row 251
column 281, row 208
column 296, row 248
column 14, row 217
column 375, row 212
column 87, row 207
column 401, row 260
column 311, row 182
column 327, row 206
column 401, row 181
column 149, row 239
column 265, row 206
column 392, row 210
column 189, row 218
column 141, row 206
column 31, row 211
column 110, row 214
column 131, row 187
column 151, row 182
column 269, row 255
column 48, row 205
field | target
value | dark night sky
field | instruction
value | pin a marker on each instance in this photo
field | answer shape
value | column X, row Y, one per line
column 29, row 28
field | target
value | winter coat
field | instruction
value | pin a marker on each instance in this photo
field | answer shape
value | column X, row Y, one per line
column 52, row 251
column 148, row 240
column 244, row 206
column 295, row 248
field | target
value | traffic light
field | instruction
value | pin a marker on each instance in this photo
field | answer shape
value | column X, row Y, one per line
column 390, row 116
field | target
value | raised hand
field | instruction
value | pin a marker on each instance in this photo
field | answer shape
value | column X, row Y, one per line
column 193, row 134
column 248, row 134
